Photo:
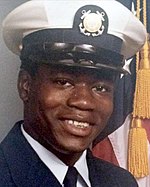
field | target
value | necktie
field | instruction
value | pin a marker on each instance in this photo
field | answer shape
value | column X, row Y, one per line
column 70, row 179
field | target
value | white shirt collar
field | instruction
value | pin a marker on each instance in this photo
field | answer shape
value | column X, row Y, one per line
column 53, row 162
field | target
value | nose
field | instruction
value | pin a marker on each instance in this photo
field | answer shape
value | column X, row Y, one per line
column 82, row 98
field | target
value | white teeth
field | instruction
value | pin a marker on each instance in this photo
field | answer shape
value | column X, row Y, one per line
column 78, row 124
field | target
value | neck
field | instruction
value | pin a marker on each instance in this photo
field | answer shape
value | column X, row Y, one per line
column 68, row 158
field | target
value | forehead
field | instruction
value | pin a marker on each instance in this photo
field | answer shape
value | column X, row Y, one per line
column 76, row 72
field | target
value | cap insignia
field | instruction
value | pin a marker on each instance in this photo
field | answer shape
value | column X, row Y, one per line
column 92, row 23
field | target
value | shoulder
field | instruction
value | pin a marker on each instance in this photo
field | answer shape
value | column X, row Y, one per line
column 110, row 173
column 7, row 152
column 5, row 177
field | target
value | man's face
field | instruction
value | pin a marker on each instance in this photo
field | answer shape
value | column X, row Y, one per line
column 66, row 109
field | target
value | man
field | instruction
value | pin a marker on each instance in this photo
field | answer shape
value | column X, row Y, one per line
column 71, row 54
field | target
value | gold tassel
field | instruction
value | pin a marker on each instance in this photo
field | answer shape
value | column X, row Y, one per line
column 138, row 150
column 138, row 163
column 142, row 94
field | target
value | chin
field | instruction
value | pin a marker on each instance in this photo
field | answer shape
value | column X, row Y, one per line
column 70, row 148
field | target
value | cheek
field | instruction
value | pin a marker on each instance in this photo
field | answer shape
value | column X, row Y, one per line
column 43, row 101
column 50, row 98
column 105, row 109
column 106, row 105
column 108, row 109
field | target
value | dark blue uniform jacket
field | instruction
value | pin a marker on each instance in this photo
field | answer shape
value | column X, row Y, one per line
column 20, row 166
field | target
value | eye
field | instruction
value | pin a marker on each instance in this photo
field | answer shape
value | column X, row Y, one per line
column 103, row 88
column 63, row 82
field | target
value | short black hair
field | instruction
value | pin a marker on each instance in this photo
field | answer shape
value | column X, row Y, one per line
column 29, row 66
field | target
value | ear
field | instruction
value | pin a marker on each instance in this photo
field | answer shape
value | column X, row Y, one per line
column 24, row 84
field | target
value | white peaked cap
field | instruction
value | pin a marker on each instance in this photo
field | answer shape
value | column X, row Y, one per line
column 87, row 25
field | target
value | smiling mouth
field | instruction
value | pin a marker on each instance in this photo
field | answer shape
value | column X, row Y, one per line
column 78, row 124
